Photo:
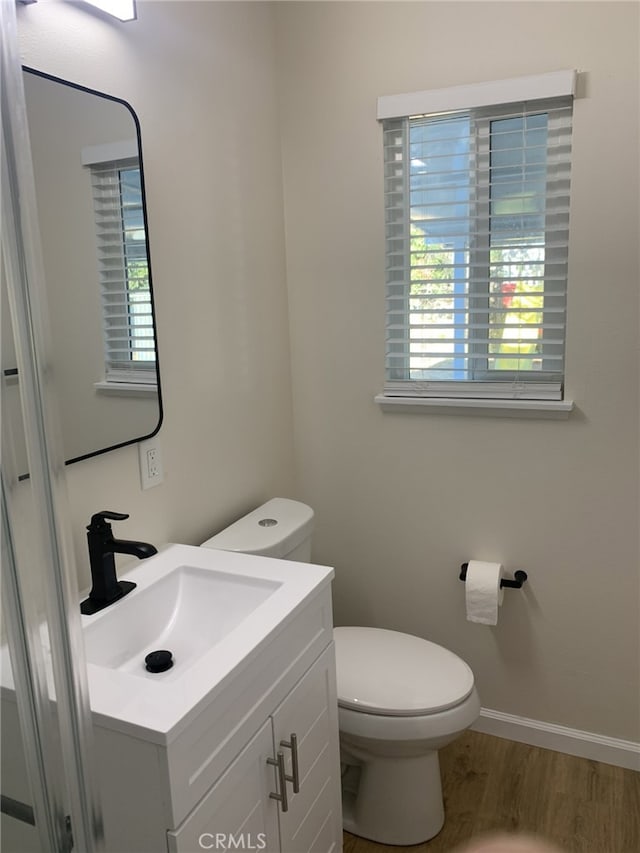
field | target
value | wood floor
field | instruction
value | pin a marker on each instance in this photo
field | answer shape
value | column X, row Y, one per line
column 492, row 784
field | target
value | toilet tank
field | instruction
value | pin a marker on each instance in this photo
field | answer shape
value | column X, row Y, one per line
column 280, row 528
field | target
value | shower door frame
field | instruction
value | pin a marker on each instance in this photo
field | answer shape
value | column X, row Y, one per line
column 45, row 643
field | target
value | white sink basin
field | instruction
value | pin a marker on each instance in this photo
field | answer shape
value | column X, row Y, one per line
column 215, row 611
column 187, row 612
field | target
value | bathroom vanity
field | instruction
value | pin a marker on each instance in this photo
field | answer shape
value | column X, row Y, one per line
column 234, row 747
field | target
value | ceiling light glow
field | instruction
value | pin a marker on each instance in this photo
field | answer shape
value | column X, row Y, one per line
column 123, row 10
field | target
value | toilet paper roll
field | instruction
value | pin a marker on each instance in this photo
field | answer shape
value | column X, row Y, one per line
column 482, row 591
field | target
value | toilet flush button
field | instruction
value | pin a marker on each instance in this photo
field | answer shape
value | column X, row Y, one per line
column 268, row 522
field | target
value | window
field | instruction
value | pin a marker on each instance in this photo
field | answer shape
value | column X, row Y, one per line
column 128, row 331
column 477, row 218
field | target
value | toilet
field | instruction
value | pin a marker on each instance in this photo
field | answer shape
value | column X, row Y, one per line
column 400, row 698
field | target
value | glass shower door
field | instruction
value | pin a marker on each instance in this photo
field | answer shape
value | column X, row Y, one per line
column 49, row 791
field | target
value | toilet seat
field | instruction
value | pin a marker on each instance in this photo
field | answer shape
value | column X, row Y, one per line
column 392, row 674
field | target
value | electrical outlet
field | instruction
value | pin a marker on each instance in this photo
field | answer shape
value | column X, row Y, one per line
column 151, row 473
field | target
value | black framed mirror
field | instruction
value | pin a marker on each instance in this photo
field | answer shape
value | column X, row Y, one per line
column 90, row 193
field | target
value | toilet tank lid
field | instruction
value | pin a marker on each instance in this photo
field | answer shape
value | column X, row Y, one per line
column 274, row 529
column 394, row 674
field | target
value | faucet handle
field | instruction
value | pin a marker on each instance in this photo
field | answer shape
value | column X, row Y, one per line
column 99, row 519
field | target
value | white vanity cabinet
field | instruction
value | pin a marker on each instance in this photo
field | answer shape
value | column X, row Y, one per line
column 194, row 759
column 211, row 787
column 239, row 811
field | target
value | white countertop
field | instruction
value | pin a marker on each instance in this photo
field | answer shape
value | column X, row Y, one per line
column 159, row 706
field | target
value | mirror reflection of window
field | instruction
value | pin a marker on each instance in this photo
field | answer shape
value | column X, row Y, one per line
column 140, row 340
column 127, row 322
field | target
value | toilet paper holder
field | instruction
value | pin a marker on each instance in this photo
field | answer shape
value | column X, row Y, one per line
column 519, row 578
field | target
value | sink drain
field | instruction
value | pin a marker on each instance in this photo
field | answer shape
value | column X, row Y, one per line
column 159, row 661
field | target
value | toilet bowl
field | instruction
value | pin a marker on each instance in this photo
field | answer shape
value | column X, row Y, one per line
column 400, row 699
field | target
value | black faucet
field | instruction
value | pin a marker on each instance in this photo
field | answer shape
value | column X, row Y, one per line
column 106, row 588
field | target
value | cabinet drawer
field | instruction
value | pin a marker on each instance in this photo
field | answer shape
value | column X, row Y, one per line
column 237, row 813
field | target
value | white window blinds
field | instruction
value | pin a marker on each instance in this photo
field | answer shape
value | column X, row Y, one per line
column 477, row 229
column 124, row 273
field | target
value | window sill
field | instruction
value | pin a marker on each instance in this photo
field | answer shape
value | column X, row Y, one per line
column 549, row 409
column 127, row 389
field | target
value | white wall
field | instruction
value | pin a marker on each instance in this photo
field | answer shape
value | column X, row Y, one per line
column 201, row 78
column 403, row 500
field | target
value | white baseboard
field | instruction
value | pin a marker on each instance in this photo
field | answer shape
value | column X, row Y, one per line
column 609, row 750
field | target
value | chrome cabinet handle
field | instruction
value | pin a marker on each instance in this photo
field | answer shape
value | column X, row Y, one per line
column 292, row 744
column 282, row 779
